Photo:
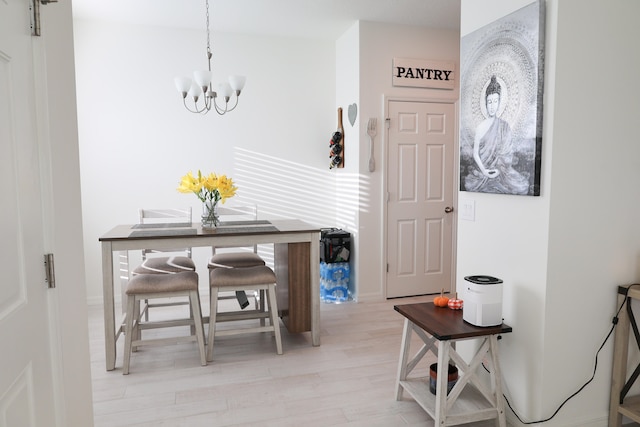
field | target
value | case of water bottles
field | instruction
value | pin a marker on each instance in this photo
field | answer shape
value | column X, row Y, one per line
column 335, row 245
column 334, row 282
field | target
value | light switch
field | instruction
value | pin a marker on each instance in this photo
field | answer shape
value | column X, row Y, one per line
column 468, row 210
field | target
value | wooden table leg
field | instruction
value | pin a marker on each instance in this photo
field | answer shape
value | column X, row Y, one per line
column 298, row 271
column 314, row 283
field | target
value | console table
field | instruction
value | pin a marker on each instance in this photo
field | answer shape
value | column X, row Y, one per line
column 619, row 403
column 470, row 399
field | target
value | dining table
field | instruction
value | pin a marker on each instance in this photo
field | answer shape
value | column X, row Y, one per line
column 296, row 264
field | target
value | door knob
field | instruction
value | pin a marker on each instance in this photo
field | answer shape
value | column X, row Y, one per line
column 448, row 209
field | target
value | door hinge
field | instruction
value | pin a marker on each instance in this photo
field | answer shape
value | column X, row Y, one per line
column 34, row 8
column 387, row 267
column 49, row 271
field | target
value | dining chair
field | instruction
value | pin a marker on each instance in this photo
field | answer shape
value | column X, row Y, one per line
column 162, row 286
column 241, row 279
column 165, row 218
column 236, row 257
column 167, row 261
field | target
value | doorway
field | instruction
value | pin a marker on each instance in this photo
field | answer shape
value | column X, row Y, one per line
column 420, row 184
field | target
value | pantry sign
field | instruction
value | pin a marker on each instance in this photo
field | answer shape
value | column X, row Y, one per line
column 423, row 73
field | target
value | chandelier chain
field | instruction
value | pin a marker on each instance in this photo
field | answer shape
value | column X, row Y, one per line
column 208, row 38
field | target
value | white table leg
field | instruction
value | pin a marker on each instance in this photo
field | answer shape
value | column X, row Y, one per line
column 441, row 383
column 404, row 355
column 108, row 303
column 123, row 264
column 496, row 373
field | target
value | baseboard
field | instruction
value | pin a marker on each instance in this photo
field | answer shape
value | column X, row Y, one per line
column 373, row 297
column 512, row 421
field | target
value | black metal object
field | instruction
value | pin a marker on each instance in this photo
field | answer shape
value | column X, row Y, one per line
column 335, row 245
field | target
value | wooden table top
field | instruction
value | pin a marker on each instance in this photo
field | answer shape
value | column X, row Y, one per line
column 160, row 231
column 444, row 323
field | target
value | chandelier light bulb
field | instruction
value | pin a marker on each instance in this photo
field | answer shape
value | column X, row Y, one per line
column 183, row 84
column 203, row 79
column 224, row 90
column 195, row 91
column 237, row 83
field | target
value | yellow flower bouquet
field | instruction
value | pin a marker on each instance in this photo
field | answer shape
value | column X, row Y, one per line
column 210, row 189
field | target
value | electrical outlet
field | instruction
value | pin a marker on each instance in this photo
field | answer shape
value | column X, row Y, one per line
column 468, row 210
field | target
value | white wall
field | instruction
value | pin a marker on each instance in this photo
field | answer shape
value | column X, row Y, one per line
column 349, row 181
column 137, row 140
column 508, row 240
column 562, row 255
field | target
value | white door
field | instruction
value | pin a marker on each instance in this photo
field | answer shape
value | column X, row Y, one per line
column 420, row 183
column 34, row 390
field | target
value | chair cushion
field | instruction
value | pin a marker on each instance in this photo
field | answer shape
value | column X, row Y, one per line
column 259, row 275
column 156, row 283
column 235, row 260
column 165, row 265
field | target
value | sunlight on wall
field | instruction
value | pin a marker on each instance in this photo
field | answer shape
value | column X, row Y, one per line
column 285, row 189
column 353, row 197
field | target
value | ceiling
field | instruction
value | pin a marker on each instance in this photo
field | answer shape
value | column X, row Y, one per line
column 317, row 19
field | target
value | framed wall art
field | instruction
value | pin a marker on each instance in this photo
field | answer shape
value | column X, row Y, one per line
column 501, row 87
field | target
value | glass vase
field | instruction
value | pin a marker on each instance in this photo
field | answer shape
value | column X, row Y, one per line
column 210, row 214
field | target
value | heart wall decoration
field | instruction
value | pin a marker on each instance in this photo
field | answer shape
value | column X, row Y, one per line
column 352, row 113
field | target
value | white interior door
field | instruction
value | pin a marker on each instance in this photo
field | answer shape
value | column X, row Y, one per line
column 33, row 384
column 420, row 183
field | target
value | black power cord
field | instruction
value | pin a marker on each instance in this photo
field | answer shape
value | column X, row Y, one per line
column 595, row 367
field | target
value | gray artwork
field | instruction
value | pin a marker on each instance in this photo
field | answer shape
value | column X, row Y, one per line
column 501, row 104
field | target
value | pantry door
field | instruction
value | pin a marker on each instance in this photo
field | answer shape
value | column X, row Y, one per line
column 420, row 206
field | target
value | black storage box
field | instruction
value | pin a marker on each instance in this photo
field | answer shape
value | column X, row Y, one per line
column 335, row 245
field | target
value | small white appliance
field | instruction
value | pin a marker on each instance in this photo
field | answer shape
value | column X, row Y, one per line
column 482, row 301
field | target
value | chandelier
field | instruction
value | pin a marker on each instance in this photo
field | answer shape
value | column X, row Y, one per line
column 200, row 87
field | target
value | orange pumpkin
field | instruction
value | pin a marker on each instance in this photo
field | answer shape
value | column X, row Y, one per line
column 455, row 303
column 441, row 301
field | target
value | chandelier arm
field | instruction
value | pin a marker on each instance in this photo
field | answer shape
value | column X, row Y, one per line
column 205, row 109
column 226, row 109
column 219, row 110
column 234, row 105
column 184, row 101
column 207, row 103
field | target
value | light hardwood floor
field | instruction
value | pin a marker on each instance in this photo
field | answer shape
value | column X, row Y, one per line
column 348, row 381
